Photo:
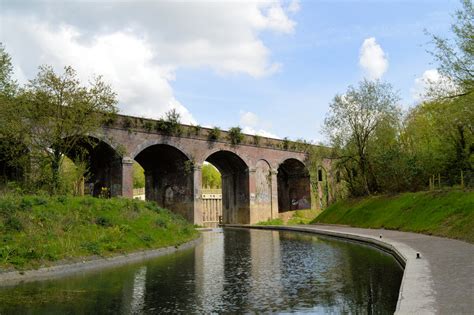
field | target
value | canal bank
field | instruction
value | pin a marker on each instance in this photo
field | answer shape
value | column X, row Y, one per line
column 11, row 278
column 440, row 281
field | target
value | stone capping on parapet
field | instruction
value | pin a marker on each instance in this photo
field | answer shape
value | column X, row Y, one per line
column 147, row 125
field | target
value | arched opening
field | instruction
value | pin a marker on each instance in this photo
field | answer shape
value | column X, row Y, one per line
column 294, row 188
column 211, row 195
column 168, row 178
column 102, row 167
column 235, row 186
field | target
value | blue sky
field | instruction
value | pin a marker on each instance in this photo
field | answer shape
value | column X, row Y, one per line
column 270, row 67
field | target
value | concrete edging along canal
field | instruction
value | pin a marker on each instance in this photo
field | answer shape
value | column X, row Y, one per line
column 10, row 278
column 441, row 281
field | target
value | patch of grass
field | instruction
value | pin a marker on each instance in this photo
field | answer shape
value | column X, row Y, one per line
column 303, row 216
column 447, row 213
column 35, row 231
column 271, row 222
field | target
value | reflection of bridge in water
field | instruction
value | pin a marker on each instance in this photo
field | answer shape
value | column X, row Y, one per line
column 260, row 176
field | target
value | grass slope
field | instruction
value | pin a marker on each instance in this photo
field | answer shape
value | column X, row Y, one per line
column 37, row 230
column 443, row 213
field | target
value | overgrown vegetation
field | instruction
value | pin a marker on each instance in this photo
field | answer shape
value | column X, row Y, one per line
column 214, row 134
column 256, row 140
column 170, row 124
column 448, row 213
column 40, row 230
column 235, row 135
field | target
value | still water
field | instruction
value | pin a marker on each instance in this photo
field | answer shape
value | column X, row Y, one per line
column 230, row 271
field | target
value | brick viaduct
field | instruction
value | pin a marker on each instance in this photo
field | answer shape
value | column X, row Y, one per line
column 260, row 176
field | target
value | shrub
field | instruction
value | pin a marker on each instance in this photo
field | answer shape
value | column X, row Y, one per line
column 170, row 125
column 127, row 123
column 148, row 126
column 196, row 128
column 214, row 134
column 285, row 144
column 235, row 135
column 256, row 140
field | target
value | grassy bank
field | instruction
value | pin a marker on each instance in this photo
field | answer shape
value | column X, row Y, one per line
column 38, row 230
column 443, row 213
column 293, row 217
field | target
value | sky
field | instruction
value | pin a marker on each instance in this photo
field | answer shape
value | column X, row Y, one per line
column 271, row 67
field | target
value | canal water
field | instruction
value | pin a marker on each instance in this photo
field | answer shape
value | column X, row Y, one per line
column 230, row 271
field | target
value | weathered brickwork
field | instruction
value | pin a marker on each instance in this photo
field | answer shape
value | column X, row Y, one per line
column 258, row 180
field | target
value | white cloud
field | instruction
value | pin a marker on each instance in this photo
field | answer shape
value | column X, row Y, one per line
column 248, row 119
column 372, row 59
column 251, row 124
column 431, row 84
column 294, row 6
column 259, row 132
column 138, row 47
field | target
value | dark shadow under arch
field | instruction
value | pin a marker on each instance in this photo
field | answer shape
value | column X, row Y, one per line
column 294, row 186
column 235, row 186
column 104, row 166
column 168, row 178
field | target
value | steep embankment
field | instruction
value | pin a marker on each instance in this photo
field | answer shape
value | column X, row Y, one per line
column 443, row 213
column 37, row 230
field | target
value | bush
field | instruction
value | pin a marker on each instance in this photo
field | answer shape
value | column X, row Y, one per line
column 214, row 134
column 127, row 123
column 148, row 126
column 256, row 140
column 235, row 135
column 170, row 125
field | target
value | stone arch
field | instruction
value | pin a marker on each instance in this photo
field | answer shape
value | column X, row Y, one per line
column 235, row 185
column 148, row 143
column 204, row 155
column 169, row 178
column 294, row 186
column 104, row 165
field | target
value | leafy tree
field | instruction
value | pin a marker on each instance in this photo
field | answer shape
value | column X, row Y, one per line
column 8, row 86
column 60, row 113
column 456, row 56
column 211, row 178
column 12, row 148
column 452, row 110
column 138, row 176
column 351, row 123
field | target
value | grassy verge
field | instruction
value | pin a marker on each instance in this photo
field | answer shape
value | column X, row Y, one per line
column 443, row 213
column 36, row 231
column 293, row 217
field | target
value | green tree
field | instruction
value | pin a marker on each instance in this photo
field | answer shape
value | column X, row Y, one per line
column 138, row 176
column 211, row 178
column 351, row 124
column 451, row 108
column 456, row 56
column 12, row 148
column 59, row 112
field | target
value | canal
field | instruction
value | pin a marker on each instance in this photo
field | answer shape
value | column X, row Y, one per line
column 230, row 271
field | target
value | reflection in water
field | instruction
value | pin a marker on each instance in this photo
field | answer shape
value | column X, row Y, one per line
column 231, row 271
